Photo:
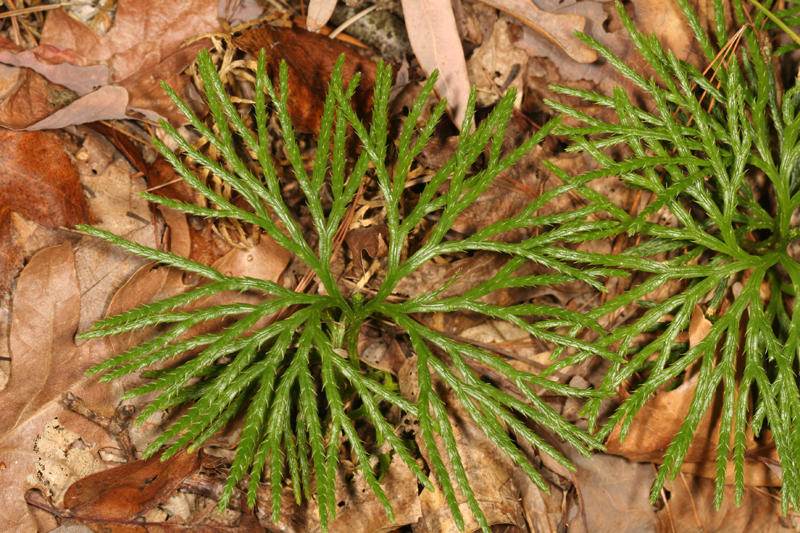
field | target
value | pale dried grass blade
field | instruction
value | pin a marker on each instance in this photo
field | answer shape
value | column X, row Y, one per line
column 434, row 38
column 319, row 12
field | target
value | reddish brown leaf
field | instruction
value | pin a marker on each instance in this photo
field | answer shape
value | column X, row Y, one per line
column 38, row 182
column 144, row 33
column 370, row 240
column 124, row 492
column 146, row 94
column 310, row 58
column 26, row 97
column 144, row 46
column 164, row 181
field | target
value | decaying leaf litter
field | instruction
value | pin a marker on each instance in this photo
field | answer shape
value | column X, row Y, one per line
column 74, row 280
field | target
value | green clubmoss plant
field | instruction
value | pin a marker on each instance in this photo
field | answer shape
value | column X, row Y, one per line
column 720, row 158
column 299, row 381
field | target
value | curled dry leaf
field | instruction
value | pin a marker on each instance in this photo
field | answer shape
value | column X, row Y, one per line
column 58, row 67
column 144, row 33
column 370, row 240
column 550, row 64
column 558, row 28
column 126, row 491
column 496, row 64
column 106, row 103
column 26, row 97
column 433, row 35
column 144, row 45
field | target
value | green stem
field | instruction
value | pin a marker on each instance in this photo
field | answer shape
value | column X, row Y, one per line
column 778, row 22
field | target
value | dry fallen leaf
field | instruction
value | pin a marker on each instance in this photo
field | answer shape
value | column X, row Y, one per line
column 699, row 326
column 498, row 483
column 468, row 272
column 55, row 65
column 690, row 509
column 495, row 65
column 63, row 457
column 154, row 282
column 40, row 183
column 44, row 365
column 36, row 306
column 319, row 11
column 144, row 87
column 26, row 97
column 267, row 260
column 144, row 45
column 358, row 509
column 112, row 194
column 657, row 422
column 310, row 58
column 144, row 33
column 106, row 103
column 558, row 28
column 370, row 240
column 434, row 38
column 126, row 491
column 549, row 64
column 614, row 493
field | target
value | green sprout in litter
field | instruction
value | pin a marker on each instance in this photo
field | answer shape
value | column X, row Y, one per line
column 721, row 158
column 295, row 379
